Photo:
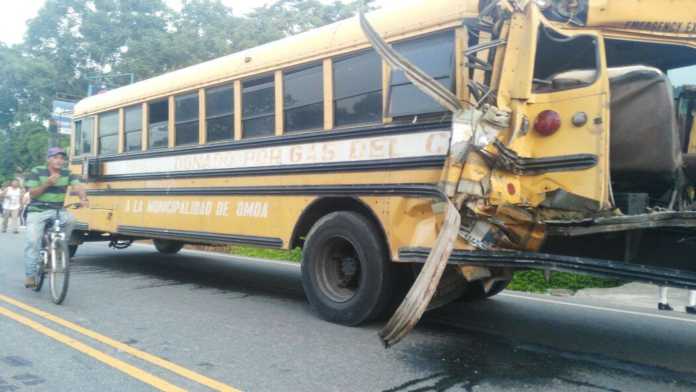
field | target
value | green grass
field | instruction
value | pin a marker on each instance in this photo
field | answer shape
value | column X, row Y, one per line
column 532, row 281
column 272, row 254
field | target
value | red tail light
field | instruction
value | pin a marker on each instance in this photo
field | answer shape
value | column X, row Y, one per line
column 547, row 123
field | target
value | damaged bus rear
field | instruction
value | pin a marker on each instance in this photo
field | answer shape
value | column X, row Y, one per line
column 573, row 151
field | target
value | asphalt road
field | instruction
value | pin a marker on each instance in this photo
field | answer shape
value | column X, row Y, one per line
column 135, row 320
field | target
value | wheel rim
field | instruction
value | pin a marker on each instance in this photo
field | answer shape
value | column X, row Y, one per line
column 41, row 273
column 339, row 270
column 58, row 275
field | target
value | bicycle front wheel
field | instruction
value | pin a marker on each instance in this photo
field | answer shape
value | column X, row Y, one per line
column 39, row 279
column 41, row 274
column 59, row 273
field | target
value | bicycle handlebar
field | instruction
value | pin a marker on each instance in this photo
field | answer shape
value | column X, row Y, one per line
column 54, row 207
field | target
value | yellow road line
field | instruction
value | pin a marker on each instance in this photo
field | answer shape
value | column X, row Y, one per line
column 172, row 367
column 96, row 354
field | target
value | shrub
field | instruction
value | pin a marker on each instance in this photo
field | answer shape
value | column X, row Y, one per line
column 534, row 281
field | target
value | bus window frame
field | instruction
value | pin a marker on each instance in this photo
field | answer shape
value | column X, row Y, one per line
column 231, row 85
column 196, row 119
column 92, row 149
column 77, row 138
column 164, row 100
column 125, row 128
column 320, row 64
column 388, row 82
column 569, row 35
column 99, row 151
column 270, row 76
column 345, row 56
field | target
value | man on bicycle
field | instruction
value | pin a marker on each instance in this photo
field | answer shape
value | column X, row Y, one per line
column 48, row 186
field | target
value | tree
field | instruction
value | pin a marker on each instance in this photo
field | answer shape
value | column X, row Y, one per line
column 26, row 85
column 289, row 17
column 70, row 40
column 204, row 30
column 26, row 88
column 54, row 36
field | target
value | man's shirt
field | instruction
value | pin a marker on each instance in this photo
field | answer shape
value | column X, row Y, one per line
column 54, row 195
column 12, row 199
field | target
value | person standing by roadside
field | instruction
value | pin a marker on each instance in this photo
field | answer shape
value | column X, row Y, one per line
column 12, row 203
column 691, row 308
column 662, row 303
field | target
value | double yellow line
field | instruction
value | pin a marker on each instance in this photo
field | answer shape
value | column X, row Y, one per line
column 124, row 367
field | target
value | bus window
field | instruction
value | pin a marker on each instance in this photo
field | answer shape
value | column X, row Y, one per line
column 158, row 124
column 77, row 146
column 563, row 63
column 219, row 113
column 186, row 122
column 108, row 133
column 83, row 136
column 435, row 56
column 258, row 107
column 133, row 128
column 358, row 89
column 303, row 96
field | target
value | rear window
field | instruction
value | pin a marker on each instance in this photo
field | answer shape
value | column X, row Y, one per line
column 564, row 62
column 435, row 56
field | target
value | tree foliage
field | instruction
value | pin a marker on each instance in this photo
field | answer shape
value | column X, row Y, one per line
column 70, row 42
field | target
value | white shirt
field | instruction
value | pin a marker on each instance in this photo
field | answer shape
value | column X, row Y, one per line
column 12, row 199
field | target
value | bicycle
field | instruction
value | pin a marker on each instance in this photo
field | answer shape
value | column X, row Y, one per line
column 55, row 256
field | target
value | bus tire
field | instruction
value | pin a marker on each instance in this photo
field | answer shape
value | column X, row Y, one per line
column 72, row 249
column 475, row 291
column 346, row 272
column 168, row 247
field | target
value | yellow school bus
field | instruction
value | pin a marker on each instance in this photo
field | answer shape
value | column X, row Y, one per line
column 439, row 145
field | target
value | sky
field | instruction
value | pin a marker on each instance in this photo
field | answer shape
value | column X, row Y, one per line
column 681, row 76
column 13, row 19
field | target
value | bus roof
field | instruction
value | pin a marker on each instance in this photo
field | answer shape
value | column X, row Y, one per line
column 392, row 23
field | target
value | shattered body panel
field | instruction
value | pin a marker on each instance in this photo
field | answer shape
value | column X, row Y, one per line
column 512, row 190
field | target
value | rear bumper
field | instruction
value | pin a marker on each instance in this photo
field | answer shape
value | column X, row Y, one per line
column 531, row 260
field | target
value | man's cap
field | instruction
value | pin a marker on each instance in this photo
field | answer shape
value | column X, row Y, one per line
column 53, row 151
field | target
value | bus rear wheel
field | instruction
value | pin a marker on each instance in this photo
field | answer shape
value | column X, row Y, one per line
column 346, row 273
column 168, row 246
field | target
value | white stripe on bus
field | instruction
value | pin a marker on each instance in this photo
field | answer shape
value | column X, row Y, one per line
column 413, row 145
